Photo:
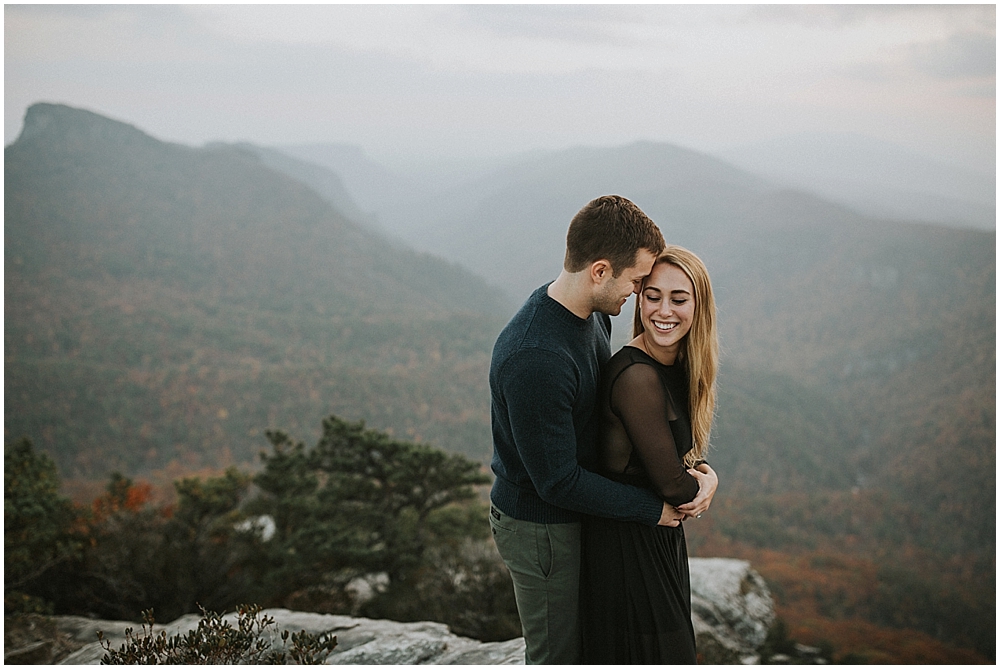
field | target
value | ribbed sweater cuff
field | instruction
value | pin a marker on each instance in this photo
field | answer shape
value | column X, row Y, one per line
column 651, row 511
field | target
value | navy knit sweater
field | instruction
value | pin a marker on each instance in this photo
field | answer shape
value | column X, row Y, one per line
column 543, row 384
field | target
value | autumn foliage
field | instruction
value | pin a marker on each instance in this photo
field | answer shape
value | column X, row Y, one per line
column 868, row 606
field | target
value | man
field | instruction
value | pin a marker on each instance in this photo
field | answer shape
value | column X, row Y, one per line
column 543, row 385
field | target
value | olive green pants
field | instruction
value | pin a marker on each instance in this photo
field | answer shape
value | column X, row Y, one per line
column 544, row 563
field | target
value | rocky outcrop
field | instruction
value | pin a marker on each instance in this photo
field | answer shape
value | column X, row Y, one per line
column 731, row 608
column 732, row 611
column 359, row 640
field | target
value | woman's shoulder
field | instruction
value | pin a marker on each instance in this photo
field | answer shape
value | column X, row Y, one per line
column 622, row 358
column 630, row 363
column 630, row 355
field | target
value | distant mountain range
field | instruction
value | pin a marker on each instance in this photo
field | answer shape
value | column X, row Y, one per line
column 372, row 184
column 164, row 305
column 327, row 183
column 232, row 274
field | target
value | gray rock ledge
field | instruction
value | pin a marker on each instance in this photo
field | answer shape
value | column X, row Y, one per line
column 732, row 611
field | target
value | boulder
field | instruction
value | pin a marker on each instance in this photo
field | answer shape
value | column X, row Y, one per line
column 731, row 608
column 732, row 611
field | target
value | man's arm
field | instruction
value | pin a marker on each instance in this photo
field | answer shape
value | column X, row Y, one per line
column 538, row 387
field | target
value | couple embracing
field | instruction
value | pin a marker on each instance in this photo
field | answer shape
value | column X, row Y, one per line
column 599, row 458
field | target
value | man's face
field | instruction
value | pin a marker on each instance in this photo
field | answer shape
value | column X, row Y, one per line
column 614, row 291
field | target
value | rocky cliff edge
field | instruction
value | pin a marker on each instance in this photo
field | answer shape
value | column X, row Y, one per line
column 732, row 611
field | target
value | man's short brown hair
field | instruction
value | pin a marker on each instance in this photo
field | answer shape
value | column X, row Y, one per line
column 610, row 228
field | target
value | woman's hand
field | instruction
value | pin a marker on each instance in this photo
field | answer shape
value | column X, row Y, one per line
column 708, row 481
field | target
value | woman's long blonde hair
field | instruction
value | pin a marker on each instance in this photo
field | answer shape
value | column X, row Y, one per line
column 699, row 351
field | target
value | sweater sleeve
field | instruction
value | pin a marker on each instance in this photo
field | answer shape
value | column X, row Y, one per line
column 539, row 388
column 640, row 401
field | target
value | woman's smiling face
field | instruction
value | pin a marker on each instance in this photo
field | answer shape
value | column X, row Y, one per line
column 667, row 309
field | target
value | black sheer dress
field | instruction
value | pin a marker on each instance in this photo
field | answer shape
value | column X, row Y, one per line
column 635, row 594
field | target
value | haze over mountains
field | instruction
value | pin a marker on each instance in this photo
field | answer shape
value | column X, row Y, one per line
column 167, row 304
column 880, row 179
column 876, row 178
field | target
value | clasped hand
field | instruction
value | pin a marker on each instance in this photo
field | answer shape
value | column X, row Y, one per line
column 708, row 482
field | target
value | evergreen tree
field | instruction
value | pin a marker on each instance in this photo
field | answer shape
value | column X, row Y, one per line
column 37, row 524
column 359, row 502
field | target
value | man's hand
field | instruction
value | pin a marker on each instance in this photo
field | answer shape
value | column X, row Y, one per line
column 670, row 517
column 708, row 482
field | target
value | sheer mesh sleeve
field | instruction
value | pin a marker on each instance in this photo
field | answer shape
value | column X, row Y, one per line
column 642, row 404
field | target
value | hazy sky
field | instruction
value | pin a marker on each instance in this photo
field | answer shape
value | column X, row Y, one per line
column 490, row 79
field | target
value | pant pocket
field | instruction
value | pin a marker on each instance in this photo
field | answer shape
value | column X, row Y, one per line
column 502, row 527
column 543, row 549
column 501, row 522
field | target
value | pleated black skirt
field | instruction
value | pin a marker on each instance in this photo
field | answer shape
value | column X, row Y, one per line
column 635, row 594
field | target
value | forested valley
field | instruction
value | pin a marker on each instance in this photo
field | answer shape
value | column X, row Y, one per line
column 180, row 322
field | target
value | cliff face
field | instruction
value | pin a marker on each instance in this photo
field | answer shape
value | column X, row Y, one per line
column 732, row 611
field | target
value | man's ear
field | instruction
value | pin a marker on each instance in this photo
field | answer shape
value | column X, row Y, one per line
column 600, row 271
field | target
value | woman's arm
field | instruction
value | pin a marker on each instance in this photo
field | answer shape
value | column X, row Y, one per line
column 640, row 402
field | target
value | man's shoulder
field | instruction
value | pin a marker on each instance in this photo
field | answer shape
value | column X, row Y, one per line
column 534, row 337
column 549, row 330
column 531, row 322
column 529, row 344
column 605, row 321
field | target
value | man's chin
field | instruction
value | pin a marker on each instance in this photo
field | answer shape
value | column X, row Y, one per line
column 611, row 310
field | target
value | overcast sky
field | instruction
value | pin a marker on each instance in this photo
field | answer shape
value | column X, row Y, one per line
column 455, row 80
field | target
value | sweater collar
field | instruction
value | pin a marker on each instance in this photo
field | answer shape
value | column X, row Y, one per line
column 558, row 310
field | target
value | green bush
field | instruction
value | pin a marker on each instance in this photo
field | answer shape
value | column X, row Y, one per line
column 216, row 641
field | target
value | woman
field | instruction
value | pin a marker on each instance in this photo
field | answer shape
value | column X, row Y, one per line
column 656, row 403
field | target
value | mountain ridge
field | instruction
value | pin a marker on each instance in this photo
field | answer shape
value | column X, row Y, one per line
column 143, row 274
column 165, row 305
